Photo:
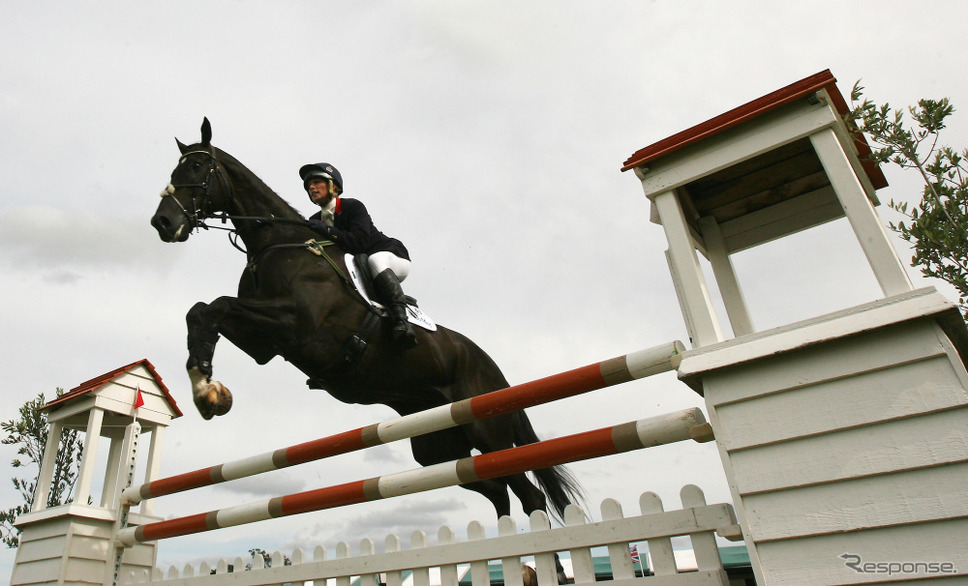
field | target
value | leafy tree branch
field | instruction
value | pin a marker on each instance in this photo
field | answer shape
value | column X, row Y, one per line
column 935, row 226
column 29, row 433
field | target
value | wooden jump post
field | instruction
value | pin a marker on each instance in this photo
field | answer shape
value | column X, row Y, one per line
column 588, row 378
column 659, row 430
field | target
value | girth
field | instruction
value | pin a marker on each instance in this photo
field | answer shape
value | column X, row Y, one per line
column 346, row 360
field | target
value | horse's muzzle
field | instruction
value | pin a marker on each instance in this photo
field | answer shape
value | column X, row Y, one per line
column 169, row 230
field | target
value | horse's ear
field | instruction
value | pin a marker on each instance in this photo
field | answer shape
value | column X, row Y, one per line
column 206, row 132
column 181, row 147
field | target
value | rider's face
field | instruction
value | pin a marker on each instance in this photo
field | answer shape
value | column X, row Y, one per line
column 319, row 192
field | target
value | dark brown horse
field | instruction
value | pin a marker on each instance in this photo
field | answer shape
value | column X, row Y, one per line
column 296, row 304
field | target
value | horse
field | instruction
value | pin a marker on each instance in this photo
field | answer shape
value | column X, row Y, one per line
column 297, row 304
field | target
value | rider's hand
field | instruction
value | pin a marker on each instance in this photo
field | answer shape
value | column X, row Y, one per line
column 320, row 227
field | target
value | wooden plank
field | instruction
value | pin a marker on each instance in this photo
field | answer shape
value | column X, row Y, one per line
column 36, row 572
column 725, row 273
column 42, row 549
column 683, row 579
column 769, row 171
column 904, row 444
column 85, row 571
column 737, row 356
column 888, row 270
column 80, row 546
column 914, row 496
column 45, row 530
column 582, row 565
column 142, row 555
column 138, row 376
column 694, row 294
column 480, row 574
column 772, row 196
column 619, row 556
column 703, row 544
column 510, row 565
column 421, row 576
column 545, row 563
column 817, row 560
column 663, row 560
column 782, row 219
column 834, row 359
column 880, row 395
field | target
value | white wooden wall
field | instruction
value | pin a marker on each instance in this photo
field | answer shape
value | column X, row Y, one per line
column 615, row 531
column 74, row 544
column 837, row 444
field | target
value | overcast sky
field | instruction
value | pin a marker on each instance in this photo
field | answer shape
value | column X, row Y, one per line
column 488, row 136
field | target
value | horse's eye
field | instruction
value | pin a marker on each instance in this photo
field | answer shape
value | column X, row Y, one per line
column 196, row 166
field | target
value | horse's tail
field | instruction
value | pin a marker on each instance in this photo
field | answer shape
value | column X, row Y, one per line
column 557, row 482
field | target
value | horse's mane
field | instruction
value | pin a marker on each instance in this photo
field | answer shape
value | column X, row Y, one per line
column 244, row 178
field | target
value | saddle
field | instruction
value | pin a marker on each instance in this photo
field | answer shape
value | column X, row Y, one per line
column 357, row 267
column 345, row 361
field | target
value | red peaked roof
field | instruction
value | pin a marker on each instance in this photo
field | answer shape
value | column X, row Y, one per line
column 98, row 382
column 751, row 110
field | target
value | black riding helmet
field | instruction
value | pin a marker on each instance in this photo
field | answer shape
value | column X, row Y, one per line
column 324, row 170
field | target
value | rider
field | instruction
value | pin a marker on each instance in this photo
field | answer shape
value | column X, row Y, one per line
column 346, row 222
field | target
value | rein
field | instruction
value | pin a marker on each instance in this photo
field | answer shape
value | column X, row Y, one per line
column 197, row 215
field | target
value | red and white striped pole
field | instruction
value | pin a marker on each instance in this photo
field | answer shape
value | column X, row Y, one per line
column 659, row 430
column 573, row 382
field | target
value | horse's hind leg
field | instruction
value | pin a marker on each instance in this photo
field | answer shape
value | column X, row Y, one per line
column 452, row 444
column 494, row 491
column 531, row 497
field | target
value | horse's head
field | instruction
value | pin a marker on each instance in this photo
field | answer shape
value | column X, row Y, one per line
column 198, row 188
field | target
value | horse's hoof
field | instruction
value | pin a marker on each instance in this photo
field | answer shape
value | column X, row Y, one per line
column 204, row 408
column 223, row 398
column 214, row 399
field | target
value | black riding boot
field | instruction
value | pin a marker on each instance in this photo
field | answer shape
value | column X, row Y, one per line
column 388, row 288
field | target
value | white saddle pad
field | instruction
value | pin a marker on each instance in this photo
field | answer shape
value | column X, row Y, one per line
column 415, row 315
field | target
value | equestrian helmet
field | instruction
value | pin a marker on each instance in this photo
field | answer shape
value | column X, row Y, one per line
column 324, row 170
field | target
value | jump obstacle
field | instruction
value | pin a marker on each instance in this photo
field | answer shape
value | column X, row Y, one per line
column 588, row 378
column 655, row 431
column 678, row 426
column 700, row 519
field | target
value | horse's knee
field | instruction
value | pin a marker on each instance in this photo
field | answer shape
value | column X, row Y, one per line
column 196, row 315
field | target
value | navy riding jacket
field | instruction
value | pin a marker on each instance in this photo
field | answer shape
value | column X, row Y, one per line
column 354, row 232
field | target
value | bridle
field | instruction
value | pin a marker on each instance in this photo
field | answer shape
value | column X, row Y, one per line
column 200, row 208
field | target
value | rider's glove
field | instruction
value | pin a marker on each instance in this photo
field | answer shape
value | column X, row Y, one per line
column 321, row 227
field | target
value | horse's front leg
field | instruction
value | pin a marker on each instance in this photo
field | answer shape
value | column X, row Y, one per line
column 211, row 397
column 259, row 327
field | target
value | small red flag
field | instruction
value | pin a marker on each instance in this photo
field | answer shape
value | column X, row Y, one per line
column 138, row 400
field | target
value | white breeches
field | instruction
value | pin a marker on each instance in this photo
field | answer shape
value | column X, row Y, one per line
column 383, row 260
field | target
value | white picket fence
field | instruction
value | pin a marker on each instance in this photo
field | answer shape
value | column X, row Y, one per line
column 697, row 520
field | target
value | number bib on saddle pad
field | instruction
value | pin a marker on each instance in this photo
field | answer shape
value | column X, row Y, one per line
column 414, row 314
